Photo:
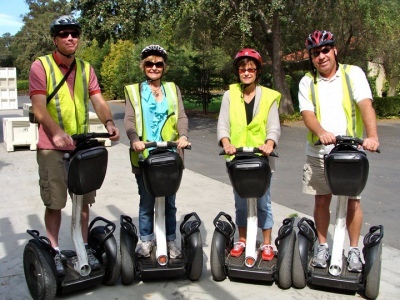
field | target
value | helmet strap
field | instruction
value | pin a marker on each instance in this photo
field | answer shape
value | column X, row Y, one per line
column 66, row 55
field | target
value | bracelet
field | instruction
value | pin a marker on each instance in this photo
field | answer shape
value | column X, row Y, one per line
column 109, row 120
column 182, row 135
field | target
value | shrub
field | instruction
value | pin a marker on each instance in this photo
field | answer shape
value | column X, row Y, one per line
column 23, row 86
column 387, row 106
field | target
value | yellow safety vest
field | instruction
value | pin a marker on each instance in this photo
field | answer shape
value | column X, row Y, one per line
column 71, row 114
column 169, row 131
column 353, row 115
column 253, row 134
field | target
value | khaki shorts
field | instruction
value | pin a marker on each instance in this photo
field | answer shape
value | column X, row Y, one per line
column 314, row 182
column 53, row 180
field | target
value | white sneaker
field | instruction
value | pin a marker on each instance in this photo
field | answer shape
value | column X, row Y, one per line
column 144, row 248
column 174, row 251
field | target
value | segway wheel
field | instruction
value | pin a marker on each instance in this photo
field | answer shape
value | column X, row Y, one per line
column 217, row 257
column 128, row 246
column 194, row 268
column 39, row 274
column 299, row 279
column 108, row 254
column 373, row 278
column 285, row 267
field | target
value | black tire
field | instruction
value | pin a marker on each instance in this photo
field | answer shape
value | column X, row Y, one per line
column 285, row 267
column 108, row 255
column 39, row 274
column 194, row 268
column 128, row 258
column 373, row 279
column 299, row 279
column 217, row 256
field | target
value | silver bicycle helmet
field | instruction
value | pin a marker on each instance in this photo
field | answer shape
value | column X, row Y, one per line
column 154, row 50
column 62, row 23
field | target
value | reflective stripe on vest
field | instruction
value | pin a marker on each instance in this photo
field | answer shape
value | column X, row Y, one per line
column 71, row 114
column 253, row 134
column 353, row 115
column 169, row 130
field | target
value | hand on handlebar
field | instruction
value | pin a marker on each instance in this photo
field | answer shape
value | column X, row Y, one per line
column 327, row 138
column 371, row 144
column 138, row 146
column 183, row 142
column 62, row 139
column 229, row 149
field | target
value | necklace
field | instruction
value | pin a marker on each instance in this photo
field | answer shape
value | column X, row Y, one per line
column 155, row 92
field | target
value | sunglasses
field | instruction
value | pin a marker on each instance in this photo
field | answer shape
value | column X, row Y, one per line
column 150, row 64
column 65, row 34
column 323, row 51
column 250, row 70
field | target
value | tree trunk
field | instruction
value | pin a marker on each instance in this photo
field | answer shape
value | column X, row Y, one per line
column 278, row 73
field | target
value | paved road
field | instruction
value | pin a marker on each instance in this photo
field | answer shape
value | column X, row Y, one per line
column 21, row 209
column 381, row 197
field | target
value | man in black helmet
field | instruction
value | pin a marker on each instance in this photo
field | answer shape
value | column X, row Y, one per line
column 334, row 99
column 60, row 115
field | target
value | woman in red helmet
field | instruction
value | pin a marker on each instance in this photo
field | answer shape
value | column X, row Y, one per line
column 249, row 117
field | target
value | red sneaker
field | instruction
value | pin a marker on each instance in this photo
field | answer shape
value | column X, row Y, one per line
column 238, row 249
column 267, row 252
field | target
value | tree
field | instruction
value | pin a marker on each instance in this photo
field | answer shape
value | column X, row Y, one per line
column 117, row 19
column 120, row 68
column 34, row 40
column 6, row 55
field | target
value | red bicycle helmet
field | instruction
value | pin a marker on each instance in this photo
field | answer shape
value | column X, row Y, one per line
column 319, row 38
column 250, row 53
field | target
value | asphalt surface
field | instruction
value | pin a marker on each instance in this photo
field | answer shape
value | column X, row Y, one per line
column 204, row 189
column 380, row 198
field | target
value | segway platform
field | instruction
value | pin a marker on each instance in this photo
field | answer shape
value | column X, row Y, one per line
column 149, row 268
column 345, row 281
column 73, row 280
column 262, row 270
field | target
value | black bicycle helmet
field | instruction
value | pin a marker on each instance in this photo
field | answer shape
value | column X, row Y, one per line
column 319, row 38
column 154, row 50
column 62, row 23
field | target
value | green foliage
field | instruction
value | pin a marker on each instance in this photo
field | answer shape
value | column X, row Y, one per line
column 23, row 86
column 94, row 54
column 34, row 38
column 387, row 106
column 120, row 68
column 372, row 84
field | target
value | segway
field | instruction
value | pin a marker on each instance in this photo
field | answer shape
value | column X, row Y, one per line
column 250, row 176
column 86, row 169
column 346, row 172
column 162, row 173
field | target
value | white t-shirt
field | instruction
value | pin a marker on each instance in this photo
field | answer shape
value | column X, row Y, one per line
column 330, row 94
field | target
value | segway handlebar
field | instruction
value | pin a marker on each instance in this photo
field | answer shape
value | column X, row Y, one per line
column 90, row 135
column 166, row 145
column 342, row 139
column 250, row 150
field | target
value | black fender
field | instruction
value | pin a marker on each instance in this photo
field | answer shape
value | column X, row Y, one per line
column 226, row 227
column 190, row 235
column 102, row 241
column 371, row 247
column 129, row 229
column 222, row 243
column 283, row 242
column 188, row 227
column 306, row 236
